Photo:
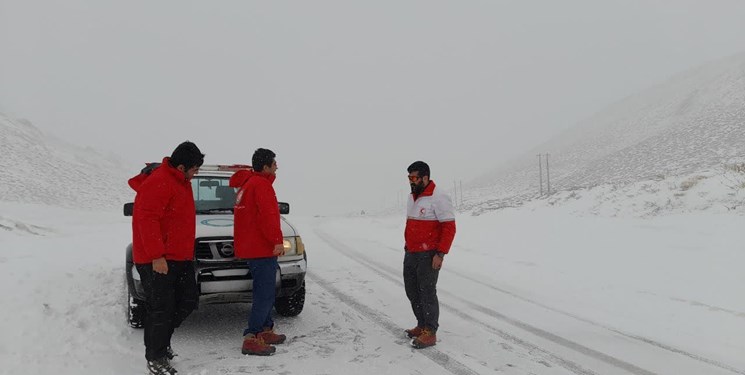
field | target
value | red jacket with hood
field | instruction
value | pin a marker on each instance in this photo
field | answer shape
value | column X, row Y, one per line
column 164, row 217
column 257, row 223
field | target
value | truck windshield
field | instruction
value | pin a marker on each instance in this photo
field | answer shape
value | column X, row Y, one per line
column 212, row 194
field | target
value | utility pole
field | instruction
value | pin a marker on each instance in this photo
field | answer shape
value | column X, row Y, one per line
column 540, row 175
column 455, row 194
column 548, row 178
column 461, row 193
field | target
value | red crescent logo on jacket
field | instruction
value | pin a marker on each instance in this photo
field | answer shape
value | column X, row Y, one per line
column 422, row 211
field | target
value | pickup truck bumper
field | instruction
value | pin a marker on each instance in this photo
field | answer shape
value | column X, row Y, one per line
column 231, row 282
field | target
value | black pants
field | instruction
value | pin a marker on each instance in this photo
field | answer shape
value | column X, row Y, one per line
column 420, row 280
column 170, row 299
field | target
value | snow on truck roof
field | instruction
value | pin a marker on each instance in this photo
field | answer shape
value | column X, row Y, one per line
column 223, row 167
column 229, row 169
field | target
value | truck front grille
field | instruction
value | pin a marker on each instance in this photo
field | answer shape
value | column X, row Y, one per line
column 215, row 248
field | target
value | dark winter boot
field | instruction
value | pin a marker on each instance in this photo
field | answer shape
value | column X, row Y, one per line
column 170, row 353
column 160, row 366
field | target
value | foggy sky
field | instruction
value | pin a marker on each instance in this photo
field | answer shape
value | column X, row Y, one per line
column 347, row 93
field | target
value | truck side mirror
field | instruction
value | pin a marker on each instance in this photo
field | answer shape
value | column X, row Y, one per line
column 128, row 208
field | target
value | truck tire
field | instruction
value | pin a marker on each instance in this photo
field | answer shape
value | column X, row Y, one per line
column 291, row 305
column 135, row 311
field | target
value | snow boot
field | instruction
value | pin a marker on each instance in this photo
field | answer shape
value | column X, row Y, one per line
column 270, row 337
column 414, row 332
column 254, row 345
column 426, row 339
column 160, row 366
column 170, row 353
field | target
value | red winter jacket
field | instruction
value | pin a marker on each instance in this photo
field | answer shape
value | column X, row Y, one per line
column 257, row 224
column 164, row 217
column 430, row 221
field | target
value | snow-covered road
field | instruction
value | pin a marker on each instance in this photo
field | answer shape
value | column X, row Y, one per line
column 523, row 292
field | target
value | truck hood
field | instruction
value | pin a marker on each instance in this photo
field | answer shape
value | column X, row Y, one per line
column 222, row 226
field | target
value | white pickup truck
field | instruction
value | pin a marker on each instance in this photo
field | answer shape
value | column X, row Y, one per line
column 221, row 278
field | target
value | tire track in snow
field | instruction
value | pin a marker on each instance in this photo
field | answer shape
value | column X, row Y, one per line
column 591, row 322
column 393, row 276
column 443, row 360
column 611, row 329
column 385, row 273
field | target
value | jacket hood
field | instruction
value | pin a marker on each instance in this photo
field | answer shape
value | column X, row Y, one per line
column 137, row 181
column 239, row 178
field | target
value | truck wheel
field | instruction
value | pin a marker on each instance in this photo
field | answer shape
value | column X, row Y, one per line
column 135, row 311
column 291, row 305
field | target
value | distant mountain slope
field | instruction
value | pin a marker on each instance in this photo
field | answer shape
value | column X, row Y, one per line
column 35, row 168
column 692, row 122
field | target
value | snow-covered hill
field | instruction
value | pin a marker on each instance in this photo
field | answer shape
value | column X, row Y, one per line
column 720, row 190
column 35, row 168
column 692, row 124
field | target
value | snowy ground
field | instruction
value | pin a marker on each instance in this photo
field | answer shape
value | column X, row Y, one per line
column 535, row 290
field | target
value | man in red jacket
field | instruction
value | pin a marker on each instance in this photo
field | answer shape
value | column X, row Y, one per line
column 430, row 230
column 258, row 238
column 163, row 231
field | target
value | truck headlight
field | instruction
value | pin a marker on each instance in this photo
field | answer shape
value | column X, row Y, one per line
column 299, row 246
column 293, row 246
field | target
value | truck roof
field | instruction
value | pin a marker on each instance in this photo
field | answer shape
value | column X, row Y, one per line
column 224, row 167
column 221, row 169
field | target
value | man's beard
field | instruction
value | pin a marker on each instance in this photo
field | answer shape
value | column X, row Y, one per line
column 417, row 189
